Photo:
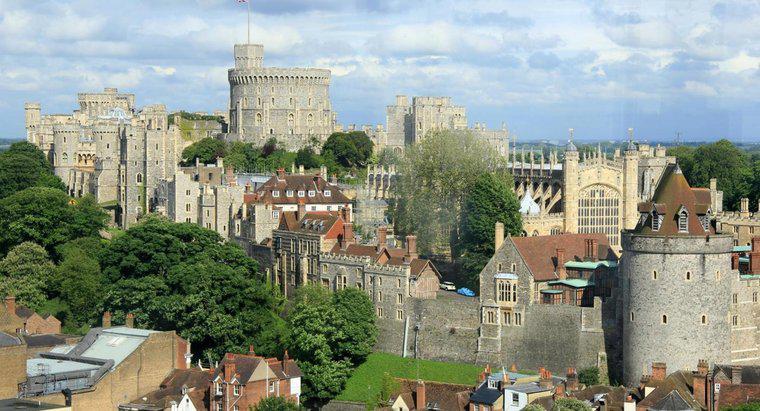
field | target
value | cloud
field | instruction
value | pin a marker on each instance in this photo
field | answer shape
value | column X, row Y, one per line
column 696, row 87
column 544, row 60
column 163, row 71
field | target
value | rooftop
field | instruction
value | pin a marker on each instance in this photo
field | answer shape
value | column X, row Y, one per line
column 540, row 252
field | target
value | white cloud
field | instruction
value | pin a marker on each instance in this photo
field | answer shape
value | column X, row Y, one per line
column 740, row 63
column 163, row 71
column 699, row 88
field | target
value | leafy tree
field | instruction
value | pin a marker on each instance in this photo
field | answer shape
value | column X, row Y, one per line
column 388, row 157
column 351, row 149
column 589, row 376
column 276, row 404
column 570, row 404
column 22, row 166
column 243, row 157
column 435, row 175
column 307, row 158
column 206, row 150
column 388, row 387
column 25, row 272
column 82, row 287
column 355, row 318
column 685, row 157
column 47, row 217
column 727, row 163
column 488, row 201
column 184, row 277
column 533, row 407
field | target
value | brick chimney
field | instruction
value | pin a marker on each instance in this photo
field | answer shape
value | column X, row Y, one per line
column 10, row 304
column 561, row 272
column 744, row 207
column 106, row 319
column 250, row 350
column 545, row 379
column 301, row 209
column 382, row 237
column 699, row 382
column 559, row 391
column 572, row 379
column 280, row 173
column 736, row 374
column 734, row 261
column 230, row 176
column 411, row 248
column 421, row 400
column 755, row 243
column 754, row 262
column 130, row 321
column 498, row 236
column 659, row 371
column 345, row 213
column 229, row 368
column 348, row 235
column 592, row 249
column 513, row 367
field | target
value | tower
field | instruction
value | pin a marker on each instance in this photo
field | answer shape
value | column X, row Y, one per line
column 630, row 183
column 32, row 122
column 676, row 281
column 570, row 185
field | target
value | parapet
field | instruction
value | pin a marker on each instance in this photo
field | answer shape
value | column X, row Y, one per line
column 249, row 56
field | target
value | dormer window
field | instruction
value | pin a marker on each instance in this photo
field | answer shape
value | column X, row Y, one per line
column 275, row 193
column 705, row 221
column 301, row 193
column 236, row 390
column 656, row 221
column 312, row 193
column 289, row 193
column 683, row 220
column 218, row 388
column 327, row 193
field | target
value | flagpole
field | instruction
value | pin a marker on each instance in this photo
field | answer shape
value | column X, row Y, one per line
column 248, row 5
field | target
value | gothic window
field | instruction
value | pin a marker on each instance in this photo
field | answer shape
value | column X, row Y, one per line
column 399, row 315
column 258, row 101
column 506, row 291
column 379, row 296
column 65, row 158
column 518, row 318
column 599, row 212
column 245, row 102
column 654, row 274
column 664, row 319
column 735, row 298
column 187, row 207
column 310, row 119
column 688, row 275
column 507, row 318
column 258, row 119
column 398, row 283
column 139, row 178
column 399, row 298
column 754, row 297
column 273, row 101
column 490, row 317
column 704, row 319
column 683, row 221
column 705, row 221
column 379, row 312
column 292, row 102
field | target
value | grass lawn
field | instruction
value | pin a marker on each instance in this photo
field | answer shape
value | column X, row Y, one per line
column 367, row 378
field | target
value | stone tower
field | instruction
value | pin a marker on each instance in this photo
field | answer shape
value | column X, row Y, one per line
column 570, row 185
column 676, row 280
column 630, row 189
column 32, row 121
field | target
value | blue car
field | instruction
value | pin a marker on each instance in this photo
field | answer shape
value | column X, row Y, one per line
column 466, row 292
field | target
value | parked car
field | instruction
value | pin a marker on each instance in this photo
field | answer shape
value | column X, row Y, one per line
column 448, row 286
column 466, row 292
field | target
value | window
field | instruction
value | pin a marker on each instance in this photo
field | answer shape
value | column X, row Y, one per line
column 654, row 274
column 398, row 282
column 289, row 193
column 271, row 386
column 514, row 267
column 327, row 193
column 717, row 275
column 664, row 319
column 735, row 298
column 312, row 193
column 187, row 192
column 324, row 268
column 340, row 282
column 399, row 315
column 683, row 221
column 218, row 388
column 139, row 178
column 275, row 193
column 754, row 297
column 704, row 319
column 507, row 318
column 219, row 406
column 688, row 275
column 380, row 296
column 490, row 317
column 379, row 280
column 379, row 312
column 518, row 318
column 599, row 212
column 275, row 215
column 632, row 316
column 359, row 285
column 656, row 220
column 399, row 298
column 187, row 207
column 515, row 399
column 188, row 220
column 735, row 320
column 258, row 116
column 301, row 193
column 236, row 390
column 506, row 291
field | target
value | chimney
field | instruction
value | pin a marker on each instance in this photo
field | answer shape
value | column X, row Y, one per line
column 744, row 205
column 713, row 184
column 559, row 391
column 248, row 187
column 250, row 350
column 301, row 209
column 702, row 367
column 348, row 235
column 421, row 404
column 659, row 370
column 513, row 367
column 572, row 379
column 382, row 237
column 411, row 248
column 107, row 319
column 482, row 377
column 592, row 249
column 545, row 380
column 498, row 236
column 323, row 172
column 754, row 262
column 734, row 261
column 285, row 357
column 755, row 243
column 229, row 368
column 130, row 321
column 345, row 213
column 736, row 374
column 699, row 382
column 10, row 304
column 629, row 404
column 561, row 272
column 230, row 174
column 280, row 173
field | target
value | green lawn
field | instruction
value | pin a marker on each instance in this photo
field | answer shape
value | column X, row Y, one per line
column 367, row 378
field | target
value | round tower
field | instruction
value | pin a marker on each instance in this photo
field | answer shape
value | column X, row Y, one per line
column 570, row 185
column 676, row 279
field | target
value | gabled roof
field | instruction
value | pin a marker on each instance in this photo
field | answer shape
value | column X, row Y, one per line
column 672, row 402
column 672, row 196
column 449, row 397
column 750, row 373
column 680, row 382
column 7, row 340
column 194, row 380
column 540, row 252
column 299, row 182
column 246, row 365
column 313, row 222
column 393, row 256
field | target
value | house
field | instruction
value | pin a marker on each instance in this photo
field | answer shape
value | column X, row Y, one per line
column 182, row 390
column 681, row 390
column 287, row 191
column 15, row 318
column 108, row 366
column 430, row 396
column 511, row 390
column 242, row 380
column 734, row 385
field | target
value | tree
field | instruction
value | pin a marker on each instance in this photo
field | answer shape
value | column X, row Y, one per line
column 276, row 404
column 435, row 175
column 685, row 157
column 751, row 406
column 206, row 150
column 351, row 149
column 184, row 277
column 307, row 158
column 727, row 163
column 570, row 404
column 25, row 272
column 388, row 157
column 22, row 166
column 489, row 200
column 81, row 287
column 355, row 318
column 589, row 376
column 533, row 407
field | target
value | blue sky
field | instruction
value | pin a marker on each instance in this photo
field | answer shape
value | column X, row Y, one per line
column 541, row 66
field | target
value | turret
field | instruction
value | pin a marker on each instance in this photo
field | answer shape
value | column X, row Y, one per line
column 630, row 183
column 32, row 121
column 248, row 56
column 570, row 185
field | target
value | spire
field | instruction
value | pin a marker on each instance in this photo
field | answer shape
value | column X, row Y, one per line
column 570, row 145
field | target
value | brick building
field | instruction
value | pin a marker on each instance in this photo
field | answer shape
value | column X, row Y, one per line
column 287, row 191
column 182, row 390
column 242, row 380
column 15, row 318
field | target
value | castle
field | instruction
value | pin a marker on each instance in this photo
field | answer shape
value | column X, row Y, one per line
column 110, row 149
column 289, row 104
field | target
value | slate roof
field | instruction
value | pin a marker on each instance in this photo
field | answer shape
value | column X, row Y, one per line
column 195, row 380
column 485, row 395
column 7, row 340
column 416, row 265
column 282, row 182
column 454, row 397
column 46, row 340
column 750, row 373
column 673, row 194
column 673, row 401
column 614, row 397
column 680, row 381
column 540, row 252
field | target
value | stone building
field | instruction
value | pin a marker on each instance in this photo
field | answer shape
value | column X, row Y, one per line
column 586, row 194
column 242, row 380
column 110, row 149
column 743, row 225
column 289, row 191
column 674, row 251
column 289, row 104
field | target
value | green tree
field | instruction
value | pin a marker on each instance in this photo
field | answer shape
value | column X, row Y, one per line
column 82, row 287
column 388, row 387
column 589, row 376
column 307, row 158
column 351, row 149
column 727, row 163
column 685, row 157
column 388, row 157
column 25, row 272
column 47, row 217
column 22, row 166
column 533, row 407
column 243, row 157
column 570, row 404
column 206, row 150
column 489, row 200
column 276, row 404
column 751, row 406
column 435, row 175
column 355, row 318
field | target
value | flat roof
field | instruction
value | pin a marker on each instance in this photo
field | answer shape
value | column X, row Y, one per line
column 742, row 248
column 116, row 344
column 591, row 265
column 45, row 366
column 19, row 404
column 573, row 282
column 551, row 291
column 505, row 276
column 526, row 388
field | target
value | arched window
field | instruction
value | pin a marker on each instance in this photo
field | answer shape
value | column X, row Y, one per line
column 664, row 319
column 704, row 319
column 291, row 119
column 683, row 221
column 632, row 317
column 139, row 178
column 258, row 101
column 258, row 119
column 688, row 275
column 65, row 158
column 654, row 274
column 310, row 119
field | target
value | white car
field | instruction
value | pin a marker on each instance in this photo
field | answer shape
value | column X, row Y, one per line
column 448, row 286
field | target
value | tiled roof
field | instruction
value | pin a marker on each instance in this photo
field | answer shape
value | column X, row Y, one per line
column 314, row 222
column 680, row 381
column 452, row 397
column 195, row 380
column 7, row 340
column 416, row 265
column 672, row 195
column 540, row 252
column 299, row 182
column 245, row 365
column 750, row 373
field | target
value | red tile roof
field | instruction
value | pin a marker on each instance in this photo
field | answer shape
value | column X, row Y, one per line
column 298, row 182
column 416, row 265
column 313, row 222
column 540, row 252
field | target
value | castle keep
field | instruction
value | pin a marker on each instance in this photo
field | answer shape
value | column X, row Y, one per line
column 289, row 104
column 108, row 148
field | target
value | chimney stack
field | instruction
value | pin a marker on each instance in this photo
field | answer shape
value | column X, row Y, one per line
column 301, row 209
column 348, row 235
column 572, row 379
column 592, row 249
column 699, row 382
column 130, row 321
column 754, row 262
column 736, row 374
column 382, row 237
column 280, row 173
column 229, row 368
column 659, row 371
column 411, row 248
column 421, row 400
column 250, row 350
column 545, row 380
column 106, row 319
column 10, row 304
column 734, row 261
column 629, row 404
column 345, row 213
column 561, row 272
column 755, row 243
column 498, row 236
column 744, row 205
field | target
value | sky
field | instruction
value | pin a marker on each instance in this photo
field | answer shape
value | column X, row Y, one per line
column 542, row 67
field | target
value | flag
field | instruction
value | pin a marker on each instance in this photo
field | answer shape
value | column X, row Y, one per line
column 242, row 1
